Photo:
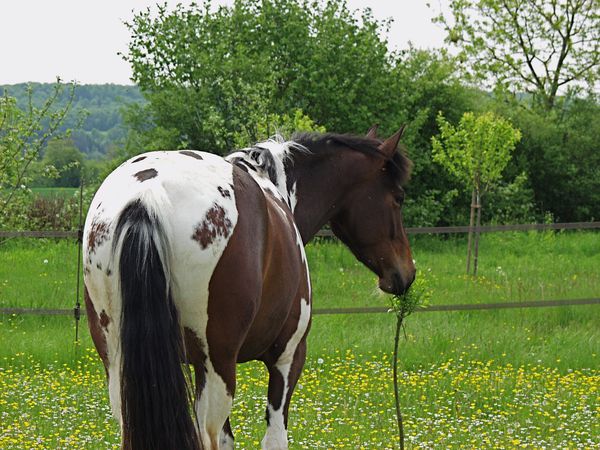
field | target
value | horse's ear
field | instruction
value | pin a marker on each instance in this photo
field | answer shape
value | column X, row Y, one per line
column 389, row 146
column 372, row 133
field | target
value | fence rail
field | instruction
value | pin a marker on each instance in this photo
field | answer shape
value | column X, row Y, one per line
column 76, row 234
column 369, row 310
column 327, row 233
column 493, row 228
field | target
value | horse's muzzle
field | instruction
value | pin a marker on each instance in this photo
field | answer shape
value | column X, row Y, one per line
column 395, row 283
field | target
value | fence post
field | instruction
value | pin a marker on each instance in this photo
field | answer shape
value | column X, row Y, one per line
column 77, row 309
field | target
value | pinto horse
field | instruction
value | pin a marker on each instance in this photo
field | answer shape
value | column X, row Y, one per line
column 191, row 258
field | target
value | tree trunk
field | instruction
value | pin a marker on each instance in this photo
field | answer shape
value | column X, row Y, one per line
column 469, row 240
column 478, row 206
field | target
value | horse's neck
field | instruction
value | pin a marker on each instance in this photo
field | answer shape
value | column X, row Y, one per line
column 311, row 187
column 315, row 193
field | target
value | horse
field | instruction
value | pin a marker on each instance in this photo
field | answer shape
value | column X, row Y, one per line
column 195, row 259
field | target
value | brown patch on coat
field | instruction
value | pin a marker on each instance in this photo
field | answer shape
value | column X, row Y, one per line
column 194, row 354
column 97, row 329
column 256, row 289
column 104, row 320
column 141, row 158
column 276, row 386
column 98, row 235
column 146, row 174
column 215, row 224
column 236, row 283
column 190, row 153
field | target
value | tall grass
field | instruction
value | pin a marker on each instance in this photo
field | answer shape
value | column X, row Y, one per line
column 64, row 192
column 480, row 379
column 513, row 267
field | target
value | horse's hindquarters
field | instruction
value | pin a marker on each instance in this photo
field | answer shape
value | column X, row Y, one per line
column 191, row 201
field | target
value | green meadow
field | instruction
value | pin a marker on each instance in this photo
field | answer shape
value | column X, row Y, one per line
column 516, row 378
column 65, row 192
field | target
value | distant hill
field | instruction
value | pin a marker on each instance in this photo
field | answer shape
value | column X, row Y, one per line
column 103, row 126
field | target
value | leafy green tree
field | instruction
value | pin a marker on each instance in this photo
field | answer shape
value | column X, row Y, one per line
column 94, row 117
column 560, row 153
column 284, row 125
column 226, row 73
column 528, row 46
column 475, row 152
column 23, row 135
column 208, row 75
column 62, row 155
column 426, row 83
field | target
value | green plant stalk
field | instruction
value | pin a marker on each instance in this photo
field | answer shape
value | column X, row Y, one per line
column 404, row 305
column 399, row 319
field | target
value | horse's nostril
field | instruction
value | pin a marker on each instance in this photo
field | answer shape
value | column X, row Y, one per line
column 398, row 284
column 412, row 279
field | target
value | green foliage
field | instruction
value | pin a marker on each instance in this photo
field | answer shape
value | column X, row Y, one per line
column 425, row 83
column 62, row 155
column 511, row 202
column 284, row 125
column 228, row 75
column 223, row 72
column 528, row 46
column 430, row 208
column 23, row 135
column 560, row 153
column 477, row 151
column 419, row 295
column 94, row 118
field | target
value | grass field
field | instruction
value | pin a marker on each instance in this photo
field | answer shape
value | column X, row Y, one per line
column 485, row 379
column 66, row 192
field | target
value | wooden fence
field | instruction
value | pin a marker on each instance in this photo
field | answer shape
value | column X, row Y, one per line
column 366, row 310
column 77, row 234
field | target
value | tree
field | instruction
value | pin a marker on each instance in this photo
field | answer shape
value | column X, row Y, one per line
column 208, row 75
column 62, row 155
column 425, row 83
column 560, row 153
column 224, row 74
column 538, row 47
column 23, row 135
column 476, row 152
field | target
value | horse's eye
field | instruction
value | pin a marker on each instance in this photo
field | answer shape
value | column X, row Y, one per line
column 399, row 198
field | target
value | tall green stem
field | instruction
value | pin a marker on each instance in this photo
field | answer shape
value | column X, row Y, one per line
column 396, row 396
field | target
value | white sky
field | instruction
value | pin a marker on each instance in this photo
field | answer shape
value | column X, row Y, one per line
column 79, row 39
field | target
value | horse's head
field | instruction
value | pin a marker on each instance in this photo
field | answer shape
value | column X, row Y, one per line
column 369, row 219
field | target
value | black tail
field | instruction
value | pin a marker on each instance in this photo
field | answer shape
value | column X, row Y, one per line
column 155, row 393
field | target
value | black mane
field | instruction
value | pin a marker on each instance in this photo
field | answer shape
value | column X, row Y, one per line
column 399, row 166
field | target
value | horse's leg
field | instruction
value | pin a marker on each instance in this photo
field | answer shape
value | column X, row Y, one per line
column 283, row 376
column 214, row 403
column 105, row 343
column 284, row 362
column 226, row 438
column 215, row 387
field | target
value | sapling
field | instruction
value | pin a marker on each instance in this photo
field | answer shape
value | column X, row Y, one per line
column 402, row 306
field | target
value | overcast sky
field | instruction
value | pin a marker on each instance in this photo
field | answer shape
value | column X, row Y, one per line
column 79, row 39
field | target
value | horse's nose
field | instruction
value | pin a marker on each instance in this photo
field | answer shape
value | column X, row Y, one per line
column 402, row 283
column 396, row 283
